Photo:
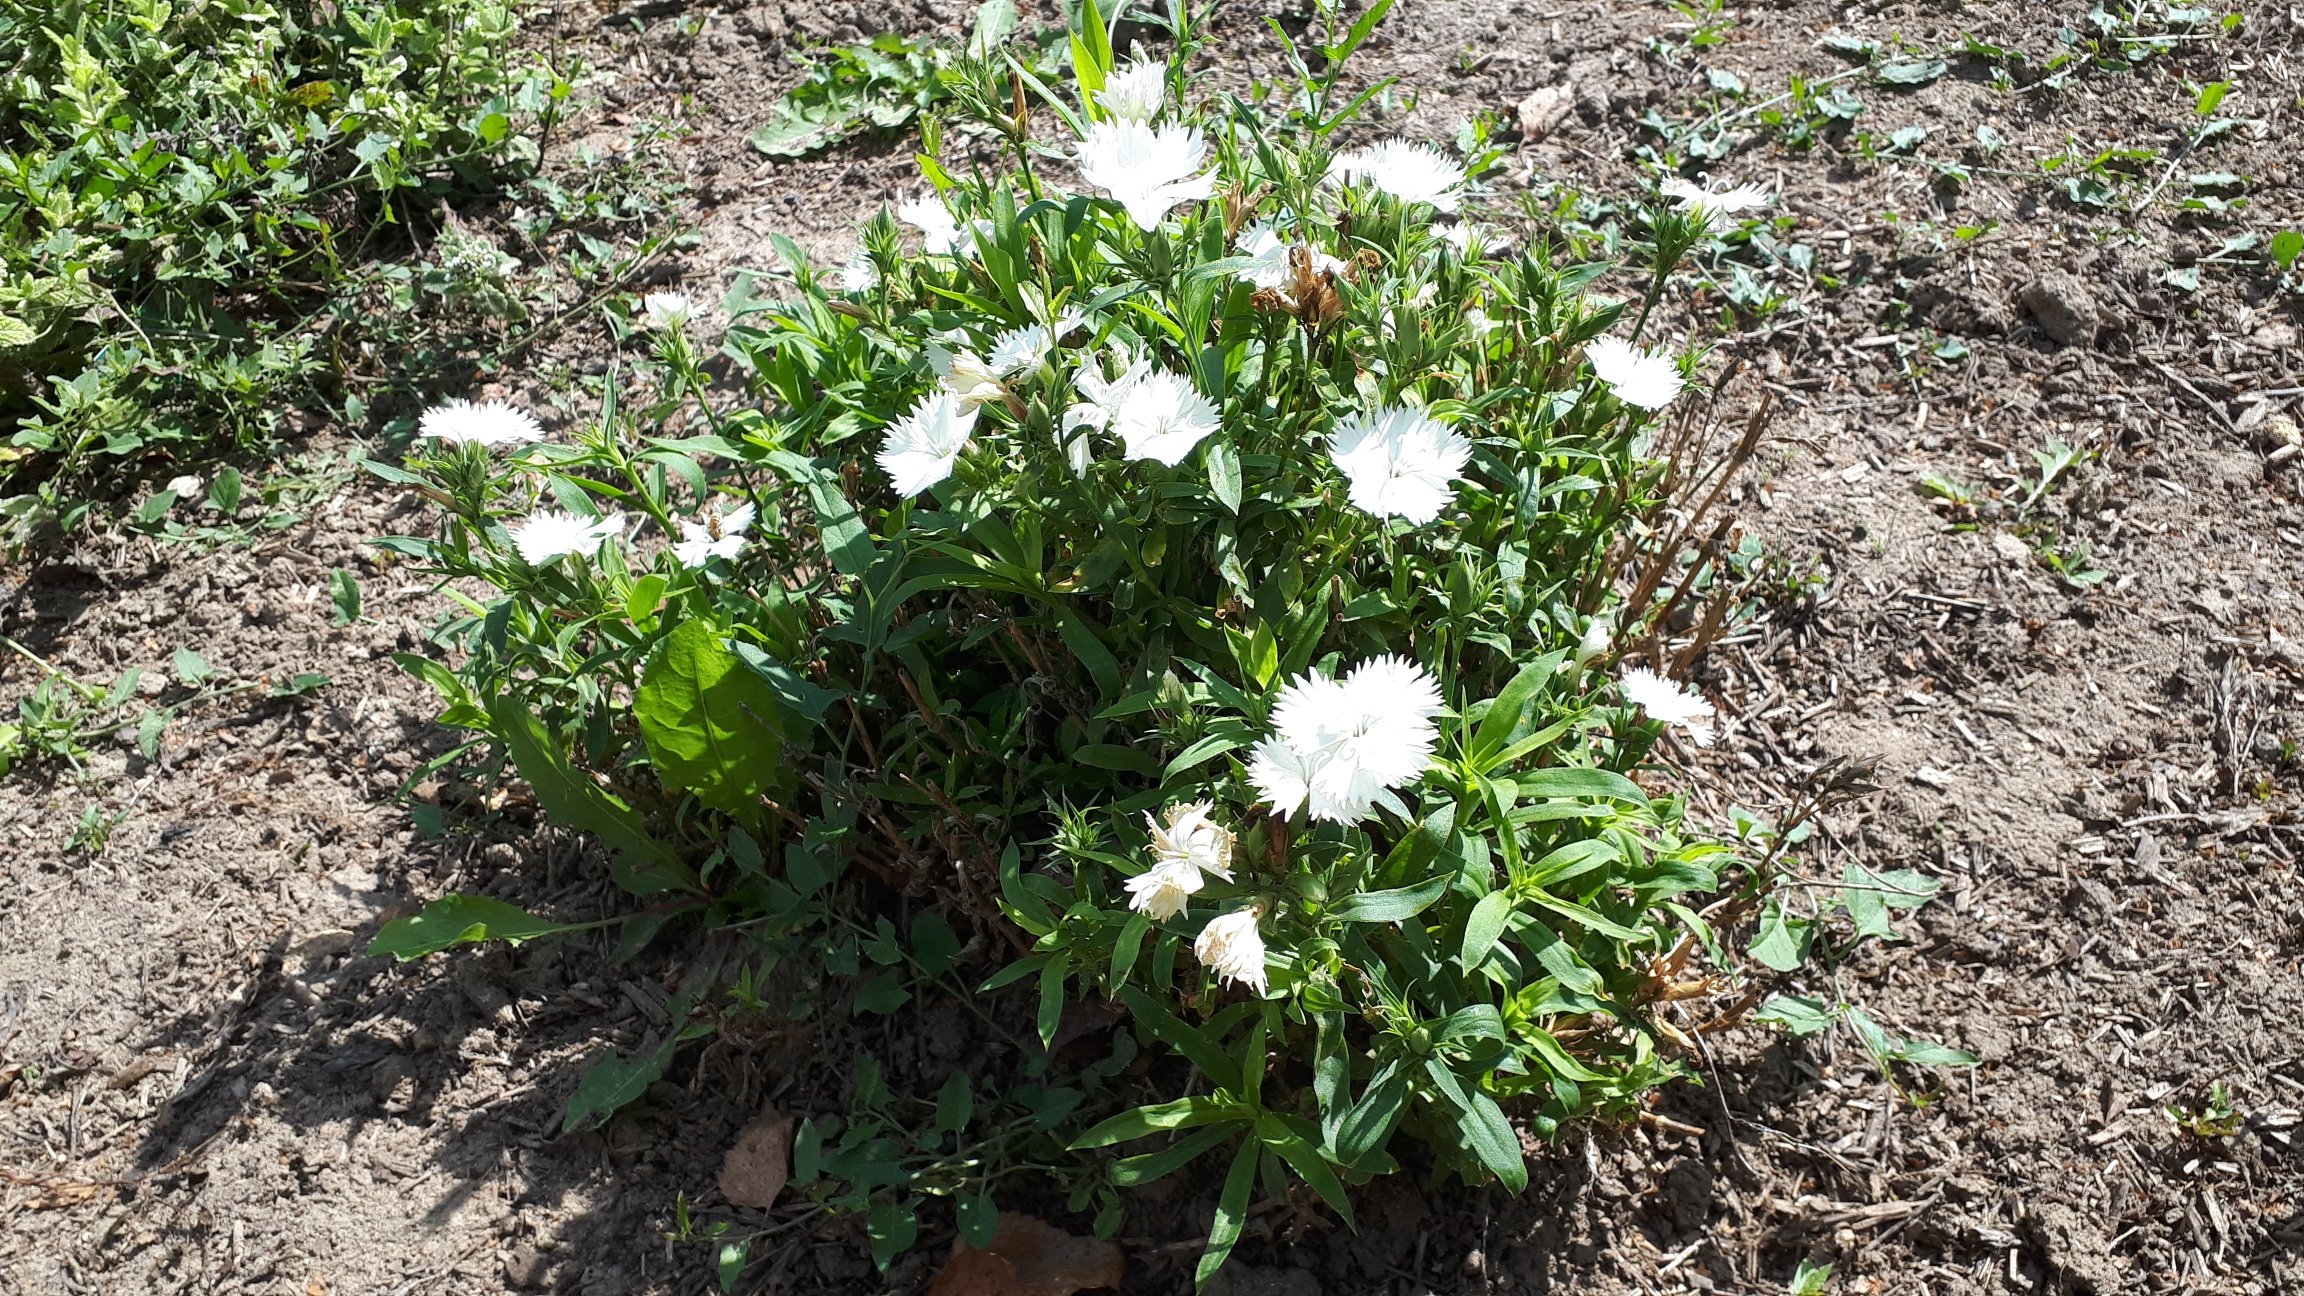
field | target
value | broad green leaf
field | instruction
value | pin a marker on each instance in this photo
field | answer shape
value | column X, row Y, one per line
column 615, row 1081
column 1483, row 928
column 457, row 919
column 1782, row 941
column 712, row 726
column 892, row 1226
column 979, row 1217
column 1224, row 475
column 1799, row 1015
column 955, row 1104
column 639, row 863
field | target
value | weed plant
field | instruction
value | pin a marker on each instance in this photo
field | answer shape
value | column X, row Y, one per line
column 1199, row 558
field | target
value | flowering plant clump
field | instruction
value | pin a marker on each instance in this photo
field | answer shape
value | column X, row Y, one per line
column 1196, row 551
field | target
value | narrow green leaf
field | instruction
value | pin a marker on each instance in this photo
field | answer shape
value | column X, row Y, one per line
column 1204, row 1052
column 1482, row 1124
column 1160, row 1118
column 1483, row 928
column 1396, row 905
column 1231, row 1212
column 1306, row 1161
column 1136, row 1171
column 456, row 919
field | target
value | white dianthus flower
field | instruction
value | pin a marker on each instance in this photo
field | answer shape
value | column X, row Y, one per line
column 1232, row 948
column 1399, row 462
column 1146, row 169
column 1595, row 640
column 1025, row 346
column 859, row 274
column 548, row 534
column 1341, row 746
column 1162, row 417
column 667, row 311
column 923, row 445
column 1648, row 379
column 1708, row 204
column 1100, row 402
column 713, row 536
column 1164, row 890
column 1415, row 173
column 967, row 376
column 1669, row 703
column 1191, row 837
column 1136, row 92
column 939, row 233
column 486, row 423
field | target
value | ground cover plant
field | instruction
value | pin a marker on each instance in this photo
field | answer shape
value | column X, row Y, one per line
column 190, row 200
column 1201, row 557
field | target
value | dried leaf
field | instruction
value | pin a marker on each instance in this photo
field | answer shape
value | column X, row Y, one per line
column 1543, row 111
column 1029, row 1257
column 65, row 1194
column 758, row 1162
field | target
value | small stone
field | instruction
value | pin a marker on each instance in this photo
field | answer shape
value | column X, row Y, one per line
column 2060, row 302
column 2011, row 548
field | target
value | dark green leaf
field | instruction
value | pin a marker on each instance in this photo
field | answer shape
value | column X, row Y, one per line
column 615, row 1081
column 1396, row 905
column 1231, row 1211
column 640, row 863
column 456, row 919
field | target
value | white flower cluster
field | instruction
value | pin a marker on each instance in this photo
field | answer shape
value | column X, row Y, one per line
column 1341, row 747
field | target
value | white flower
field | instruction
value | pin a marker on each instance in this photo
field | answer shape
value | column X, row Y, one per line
column 1023, row 347
column 713, row 537
column 490, row 423
column 1416, row 173
column 1188, row 846
column 1162, row 417
column 1102, row 399
column 184, row 487
column 923, row 445
column 1135, row 92
column 1342, row 746
column 555, row 533
column 967, row 376
column 1477, row 320
column 667, row 311
column 1274, row 265
column 1668, row 703
column 1164, row 890
column 1708, row 205
column 1146, row 169
column 1647, row 379
column 1399, row 462
column 940, row 234
column 1232, row 948
column 1192, row 838
column 1595, row 640
column 859, row 274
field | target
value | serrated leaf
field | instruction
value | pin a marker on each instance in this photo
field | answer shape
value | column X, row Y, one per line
column 615, row 1082
column 712, row 727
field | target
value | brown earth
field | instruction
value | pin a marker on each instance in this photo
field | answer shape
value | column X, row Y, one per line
column 205, row 1086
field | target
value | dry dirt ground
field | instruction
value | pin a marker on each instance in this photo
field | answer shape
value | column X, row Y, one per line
column 206, row 1087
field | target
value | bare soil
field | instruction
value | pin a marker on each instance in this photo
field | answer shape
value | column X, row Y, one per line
column 206, row 1086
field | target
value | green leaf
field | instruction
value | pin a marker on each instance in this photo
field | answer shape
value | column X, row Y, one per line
column 1231, row 1212
column 639, row 863
column 935, row 946
column 799, row 696
column 1161, row 1118
column 883, row 994
column 1911, row 72
column 1484, row 927
column 615, row 1081
column 645, row 596
column 1799, row 1015
column 191, row 668
column 2286, row 247
column 1224, row 475
column 1782, row 941
column 1396, row 905
column 457, row 919
column 1865, row 907
column 979, row 1218
column 955, row 1104
column 847, row 541
column 1369, row 1125
column 1505, row 709
column 1809, row 1279
column 344, row 588
column 711, row 728
column 1482, row 1125
column 1136, row 1171
column 1204, row 1052
column 1272, row 1129
column 892, row 1227
column 1566, row 781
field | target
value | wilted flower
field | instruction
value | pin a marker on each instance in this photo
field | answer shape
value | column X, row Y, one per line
column 1135, row 92
column 1023, row 347
column 667, row 311
column 923, row 445
column 487, row 423
column 1416, row 173
column 184, row 487
column 967, row 376
column 1594, row 640
column 1273, row 266
column 1399, row 462
column 1342, row 746
column 1648, row 379
column 1184, row 849
column 940, row 234
column 1162, row 416
column 859, row 273
column 1232, row 948
column 555, row 533
column 714, row 536
column 1708, row 205
column 1146, row 169
column 1669, row 703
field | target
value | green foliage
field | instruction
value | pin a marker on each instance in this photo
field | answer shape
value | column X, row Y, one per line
column 1076, row 645
column 457, row 919
column 184, row 188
